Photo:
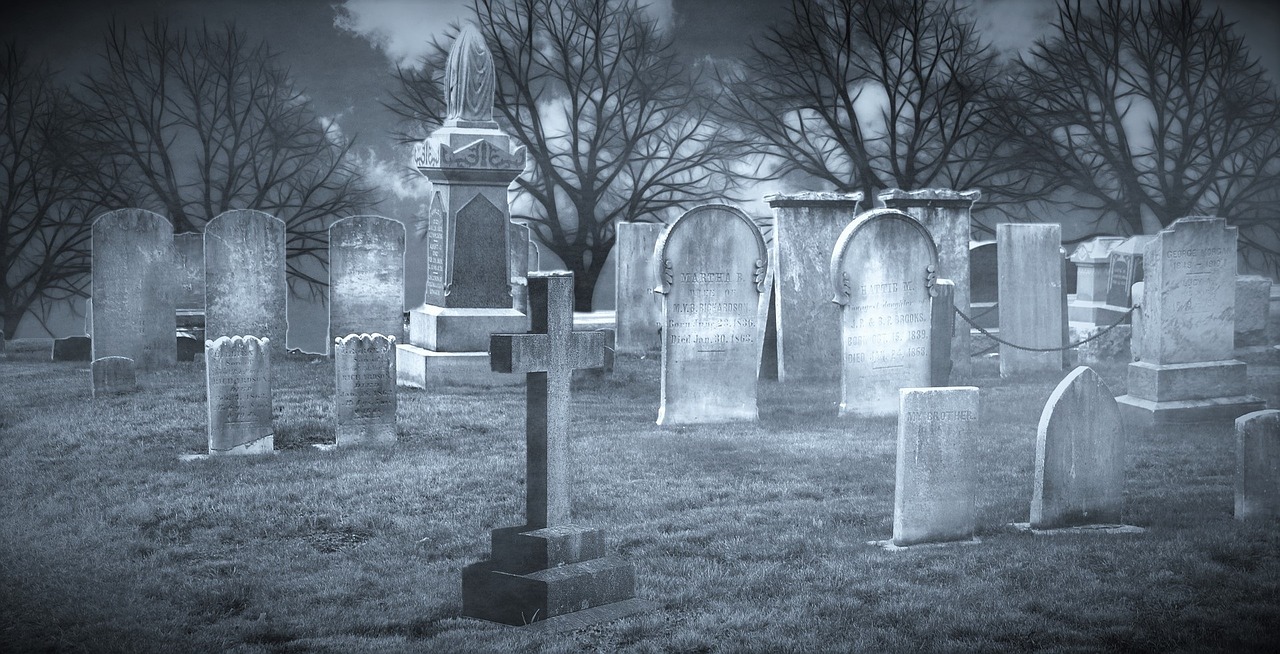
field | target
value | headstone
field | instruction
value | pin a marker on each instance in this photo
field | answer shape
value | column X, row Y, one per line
column 1079, row 473
column 245, row 291
column 549, row 566
column 1252, row 310
column 1032, row 302
column 984, row 291
column 366, row 277
column 364, row 368
column 1186, row 372
column 470, row 162
column 638, row 308
column 713, row 276
column 134, row 288
column 883, row 269
column 1258, row 465
column 936, row 487
column 190, row 348
column 519, row 243
column 1124, row 268
column 113, row 376
column 238, row 379
column 1093, row 278
column 72, row 348
column 805, row 229
column 189, row 250
column 947, row 216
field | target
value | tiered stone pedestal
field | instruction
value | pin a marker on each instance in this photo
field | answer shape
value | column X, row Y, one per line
column 1186, row 392
column 538, row 574
column 450, row 346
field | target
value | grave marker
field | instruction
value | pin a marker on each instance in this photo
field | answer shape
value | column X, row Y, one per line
column 1032, row 301
column 935, row 490
column 366, row 277
column 1093, row 278
column 1124, row 269
column 134, row 288
column 984, row 294
column 364, row 397
column 245, row 289
column 72, row 348
column 1252, row 310
column 638, row 307
column 713, row 275
column 113, row 376
column 1258, row 465
column 238, row 380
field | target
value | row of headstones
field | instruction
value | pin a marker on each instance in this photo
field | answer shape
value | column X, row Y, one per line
column 1079, row 462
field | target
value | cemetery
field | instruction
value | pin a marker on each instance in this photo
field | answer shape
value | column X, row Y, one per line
column 862, row 422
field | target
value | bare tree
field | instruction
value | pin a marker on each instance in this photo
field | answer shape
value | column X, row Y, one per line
column 193, row 123
column 864, row 95
column 44, row 215
column 1146, row 112
column 617, row 128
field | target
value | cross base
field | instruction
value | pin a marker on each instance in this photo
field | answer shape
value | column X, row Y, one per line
column 537, row 574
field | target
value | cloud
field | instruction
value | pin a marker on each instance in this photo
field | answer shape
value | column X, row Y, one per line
column 393, row 178
column 401, row 29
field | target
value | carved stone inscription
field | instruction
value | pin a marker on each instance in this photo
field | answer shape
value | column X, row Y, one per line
column 238, row 377
column 365, row 388
column 882, row 268
column 713, row 274
column 134, row 288
column 438, row 252
column 366, row 276
column 1189, row 306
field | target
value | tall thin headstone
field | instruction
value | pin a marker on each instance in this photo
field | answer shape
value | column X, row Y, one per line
column 947, row 214
column 189, row 249
column 805, row 229
column 366, row 277
column 238, row 380
column 637, row 306
column 712, row 280
column 1079, row 468
column 935, row 491
column 364, row 370
column 884, row 272
column 1258, row 465
column 244, row 273
column 519, row 242
column 134, row 288
column 1032, row 299
column 984, row 294
column 549, row 566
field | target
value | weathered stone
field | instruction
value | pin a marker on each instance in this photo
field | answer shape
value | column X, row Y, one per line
column 113, row 376
column 364, row 397
column 714, row 272
column 883, row 269
column 1079, row 473
column 1124, row 268
column 519, row 244
column 805, row 229
column 366, row 277
column 936, row 486
column 189, row 253
column 1252, row 310
column 134, row 288
column 947, row 216
column 238, row 379
column 1032, row 302
column 245, row 289
column 1258, row 465
column 1092, row 260
column 984, row 293
column 72, row 348
column 638, row 308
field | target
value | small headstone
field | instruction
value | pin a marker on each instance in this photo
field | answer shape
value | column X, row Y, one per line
column 1124, row 269
column 883, row 269
column 245, row 289
column 134, row 288
column 1258, row 465
column 936, row 486
column 1252, row 310
column 72, row 348
column 364, row 367
column 713, row 277
column 366, row 277
column 189, row 347
column 638, row 307
column 984, row 291
column 1032, row 301
column 238, row 379
column 113, row 376
column 1079, row 473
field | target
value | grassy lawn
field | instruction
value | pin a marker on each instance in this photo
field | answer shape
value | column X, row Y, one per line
column 747, row 537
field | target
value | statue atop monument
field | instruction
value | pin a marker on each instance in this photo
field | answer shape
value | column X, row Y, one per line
column 469, row 78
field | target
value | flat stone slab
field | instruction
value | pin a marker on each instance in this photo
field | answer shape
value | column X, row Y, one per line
column 582, row 619
column 1137, row 412
column 1080, row 529
column 418, row 367
column 888, row 544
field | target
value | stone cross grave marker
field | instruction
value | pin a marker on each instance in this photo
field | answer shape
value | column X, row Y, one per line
column 245, row 288
column 548, row 566
column 1258, row 464
column 637, row 306
column 238, row 378
column 1079, row 473
column 134, row 288
column 935, row 490
column 113, row 376
column 1032, row 299
column 713, row 276
column 364, row 369
column 366, row 277
column 884, row 270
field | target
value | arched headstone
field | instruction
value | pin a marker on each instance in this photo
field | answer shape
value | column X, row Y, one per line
column 134, row 288
column 244, row 273
column 366, row 277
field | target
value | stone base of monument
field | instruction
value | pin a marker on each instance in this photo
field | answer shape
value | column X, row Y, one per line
column 892, row 547
column 1080, row 529
column 418, row 367
column 442, row 329
column 1093, row 312
column 1186, row 392
column 540, row 574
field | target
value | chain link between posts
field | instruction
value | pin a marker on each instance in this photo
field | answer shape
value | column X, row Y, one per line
column 1015, row 346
